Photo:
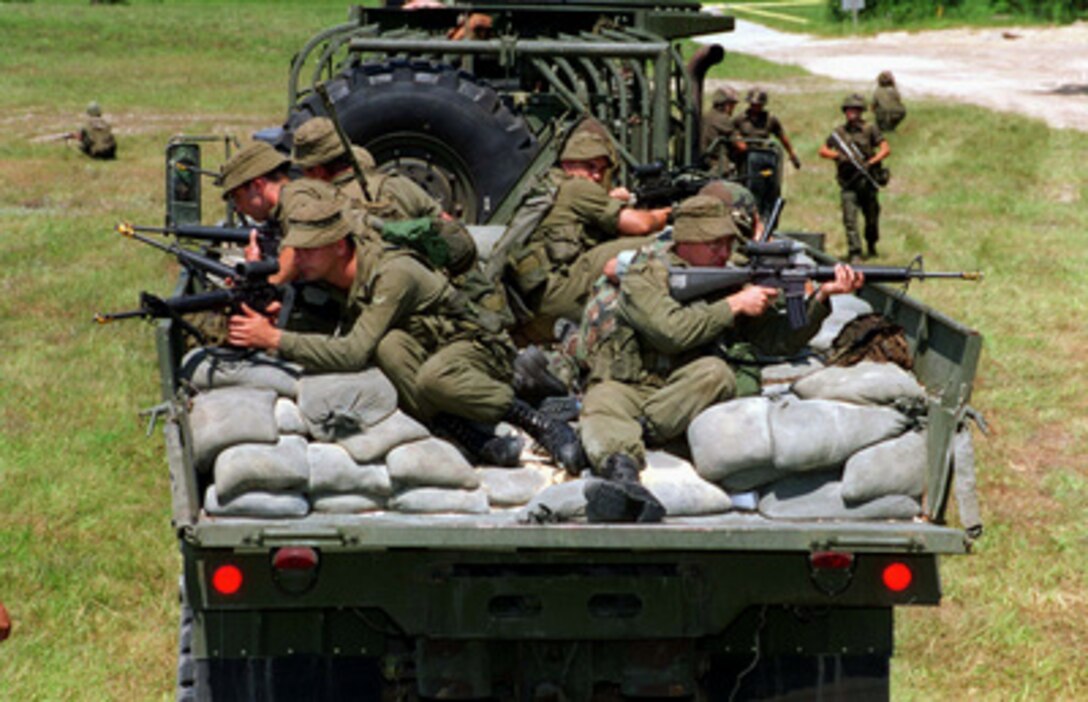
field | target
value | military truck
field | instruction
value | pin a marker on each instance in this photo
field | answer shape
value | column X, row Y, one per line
column 391, row 606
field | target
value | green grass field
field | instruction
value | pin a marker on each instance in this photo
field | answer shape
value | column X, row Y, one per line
column 88, row 560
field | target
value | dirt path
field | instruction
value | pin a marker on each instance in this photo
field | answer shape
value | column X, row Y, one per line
column 1041, row 72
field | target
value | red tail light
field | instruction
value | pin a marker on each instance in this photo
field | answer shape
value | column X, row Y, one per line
column 831, row 560
column 897, row 577
column 227, row 579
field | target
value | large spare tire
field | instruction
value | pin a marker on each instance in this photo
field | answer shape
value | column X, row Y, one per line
column 435, row 124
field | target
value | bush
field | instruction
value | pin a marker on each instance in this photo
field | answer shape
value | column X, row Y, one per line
column 896, row 11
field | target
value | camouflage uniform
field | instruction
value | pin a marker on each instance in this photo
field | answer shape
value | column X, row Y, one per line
column 857, row 194
column 651, row 371
column 718, row 125
column 887, row 106
column 411, row 322
column 96, row 137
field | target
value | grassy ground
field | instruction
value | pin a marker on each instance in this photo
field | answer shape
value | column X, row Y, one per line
column 88, row 564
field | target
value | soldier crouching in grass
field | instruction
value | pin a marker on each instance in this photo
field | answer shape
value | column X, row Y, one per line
column 451, row 366
column 651, row 370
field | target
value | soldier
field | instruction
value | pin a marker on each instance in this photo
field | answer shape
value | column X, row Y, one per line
column 585, row 227
column 715, row 142
column 757, row 124
column 888, row 108
column 650, row 372
column 96, row 137
column 858, row 188
column 448, row 363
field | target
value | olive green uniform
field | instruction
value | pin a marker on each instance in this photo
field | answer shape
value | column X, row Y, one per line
column 96, row 139
column 717, row 125
column 857, row 193
column 888, row 108
column 422, row 333
column 652, row 374
column 756, row 125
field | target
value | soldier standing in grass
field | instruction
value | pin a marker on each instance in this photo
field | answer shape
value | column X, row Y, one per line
column 852, row 144
column 96, row 137
column 715, row 144
column 756, row 124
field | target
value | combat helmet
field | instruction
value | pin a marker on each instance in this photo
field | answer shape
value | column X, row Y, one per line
column 94, row 109
column 885, row 78
column 756, row 96
column 723, row 96
column 854, row 100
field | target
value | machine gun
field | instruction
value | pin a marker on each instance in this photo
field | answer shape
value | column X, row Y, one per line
column 268, row 235
column 775, row 265
column 232, row 286
column 660, row 188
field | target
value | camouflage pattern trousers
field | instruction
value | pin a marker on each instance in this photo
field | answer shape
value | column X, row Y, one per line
column 861, row 197
column 617, row 417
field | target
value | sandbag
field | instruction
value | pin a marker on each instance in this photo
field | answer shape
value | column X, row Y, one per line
column 207, row 369
column 289, row 418
column 731, row 437
column 819, row 496
column 844, row 308
column 431, row 462
column 507, row 487
column 814, row 434
column 866, row 383
column 893, row 467
column 337, row 405
column 430, row 500
column 372, row 443
column 230, row 416
column 788, row 372
column 347, row 504
column 333, row 471
column 279, row 467
column 557, row 503
column 257, row 504
column 679, row 488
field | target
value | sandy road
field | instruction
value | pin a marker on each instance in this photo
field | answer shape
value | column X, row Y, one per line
column 1041, row 72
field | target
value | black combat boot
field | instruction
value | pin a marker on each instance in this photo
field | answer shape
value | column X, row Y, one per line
column 620, row 497
column 557, row 438
column 485, row 448
column 533, row 378
column 870, row 249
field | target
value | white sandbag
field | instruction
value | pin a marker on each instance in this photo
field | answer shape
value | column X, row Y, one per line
column 674, row 482
column 337, row 405
column 207, row 369
column 374, row 442
column 893, row 467
column 431, row 500
column 431, row 462
column 347, row 504
column 289, row 418
column 279, row 467
column 814, row 434
column 222, row 418
column 333, row 471
column 844, row 309
column 789, row 371
column 867, row 383
column 508, row 487
column 257, row 504
column 751, row 478
column 819, row 496
column 731, row 437
column 560, row 503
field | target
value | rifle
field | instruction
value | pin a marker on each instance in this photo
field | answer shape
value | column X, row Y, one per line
column 330, row 108
column 851, row 154
column 775, row 265
column 268, row 235
column 658, row 188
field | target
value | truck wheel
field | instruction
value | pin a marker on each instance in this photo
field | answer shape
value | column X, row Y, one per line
column 436, row 124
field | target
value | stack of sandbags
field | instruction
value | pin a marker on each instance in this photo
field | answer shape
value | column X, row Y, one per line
column 676, row 484
column 212, row 368
column 430, row 476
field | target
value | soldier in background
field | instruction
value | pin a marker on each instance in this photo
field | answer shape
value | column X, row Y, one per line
column 757, row 124
column 888, row 108
column 858, row 189
column 715, row 140
column 96, row 137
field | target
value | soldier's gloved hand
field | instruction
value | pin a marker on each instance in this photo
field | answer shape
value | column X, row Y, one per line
column 795, row 161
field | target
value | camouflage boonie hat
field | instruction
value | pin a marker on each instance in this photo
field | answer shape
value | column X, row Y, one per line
column 316, row 218
column 304, row 189
column 586, row 146
column 94, row 109
column 702, row 218
column 254, row 160
column 724, row 96
column 757, row 96
column 853, row 101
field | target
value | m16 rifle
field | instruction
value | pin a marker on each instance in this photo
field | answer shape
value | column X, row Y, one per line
column 854, row 156
column 268, row 235
column 775, row 264
column 659, row 188
column 230, row 286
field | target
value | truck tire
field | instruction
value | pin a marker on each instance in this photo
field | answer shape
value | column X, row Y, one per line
column 438, row 125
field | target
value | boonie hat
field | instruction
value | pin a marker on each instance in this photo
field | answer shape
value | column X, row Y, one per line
column 853, row 101
column 253, row 161
column 315, row 220
column 584, row 145
column 316, row 142
column 702, row 218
